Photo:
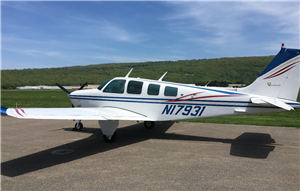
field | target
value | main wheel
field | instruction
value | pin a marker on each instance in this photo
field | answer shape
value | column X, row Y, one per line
column 78, row 126
column 110, row 139
column 149, row 124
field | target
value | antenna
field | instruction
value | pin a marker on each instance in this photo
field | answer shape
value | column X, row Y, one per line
column 128, row 73
column 160, row 79
column 207, row 83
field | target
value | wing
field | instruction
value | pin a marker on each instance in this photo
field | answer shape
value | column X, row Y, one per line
column 105, row 113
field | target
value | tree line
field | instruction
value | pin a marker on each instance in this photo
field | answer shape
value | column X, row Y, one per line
column 199, row 72
column 8, row 86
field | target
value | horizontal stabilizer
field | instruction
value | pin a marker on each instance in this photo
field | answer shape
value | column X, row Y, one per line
column 272, row 101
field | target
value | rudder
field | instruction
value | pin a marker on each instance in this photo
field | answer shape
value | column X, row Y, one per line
column 280, row 79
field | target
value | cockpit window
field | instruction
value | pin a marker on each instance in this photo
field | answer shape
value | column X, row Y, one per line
column 116, row 86
column 134, row 87
column 103, row 84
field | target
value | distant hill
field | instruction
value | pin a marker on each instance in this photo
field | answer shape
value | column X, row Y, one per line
column 233, row 70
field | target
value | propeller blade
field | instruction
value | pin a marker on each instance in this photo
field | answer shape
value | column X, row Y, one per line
column 83, row 86
column 62, row 88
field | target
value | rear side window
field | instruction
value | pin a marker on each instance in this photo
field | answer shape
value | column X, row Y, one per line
column 134, row 87
column 116, row 86
column 170, row 91
column 153, row 89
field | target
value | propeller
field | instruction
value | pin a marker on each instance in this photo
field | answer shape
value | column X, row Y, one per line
column 67, row 91
column 62, row 88
column 83, row 86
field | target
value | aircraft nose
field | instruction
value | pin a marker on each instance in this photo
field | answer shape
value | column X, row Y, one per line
column 88, row 92
column 74, row 93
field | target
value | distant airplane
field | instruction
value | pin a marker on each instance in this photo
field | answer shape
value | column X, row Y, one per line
column 126, row 98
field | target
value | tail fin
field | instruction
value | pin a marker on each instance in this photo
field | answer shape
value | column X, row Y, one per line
column 281, row 78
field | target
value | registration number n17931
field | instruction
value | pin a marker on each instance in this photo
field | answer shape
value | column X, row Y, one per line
column 183, row 110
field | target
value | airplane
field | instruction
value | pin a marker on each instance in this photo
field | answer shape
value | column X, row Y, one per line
column 152, row 101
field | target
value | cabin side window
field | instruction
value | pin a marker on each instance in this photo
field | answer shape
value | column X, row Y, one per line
column 134, row 87
column 170, row 91
column 116, row 86
column 153, row 89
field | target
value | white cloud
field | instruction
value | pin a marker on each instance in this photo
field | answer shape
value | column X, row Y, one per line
column 36, row 53
column 30, row 46
column 282, row 15
column 102, row 28
column 128, row 59
column 219, row 23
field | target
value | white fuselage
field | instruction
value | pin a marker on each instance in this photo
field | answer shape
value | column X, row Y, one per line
column 165, row 101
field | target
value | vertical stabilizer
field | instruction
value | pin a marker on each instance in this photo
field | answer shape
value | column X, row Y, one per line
column 281, row 78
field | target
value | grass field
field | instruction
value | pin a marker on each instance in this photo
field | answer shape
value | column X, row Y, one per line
column 35, row 98
column 58, row 98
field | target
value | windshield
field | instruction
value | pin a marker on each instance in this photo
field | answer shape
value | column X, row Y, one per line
column 103, row 84
column 116, row 86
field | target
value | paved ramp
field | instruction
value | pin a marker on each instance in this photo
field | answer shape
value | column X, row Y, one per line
column 48, row 155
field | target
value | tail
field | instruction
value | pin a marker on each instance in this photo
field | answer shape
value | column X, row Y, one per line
column 281, row 78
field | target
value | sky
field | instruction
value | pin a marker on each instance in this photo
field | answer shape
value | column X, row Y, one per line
column 38, row 34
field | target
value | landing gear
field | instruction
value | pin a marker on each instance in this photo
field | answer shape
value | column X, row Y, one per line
column 78, row 126
column 108, row 129
column 149, row 124
column 110, row 138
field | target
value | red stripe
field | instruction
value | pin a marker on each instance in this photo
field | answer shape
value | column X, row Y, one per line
column 176, row 100
column 23, row 111
column 273, row 75
column 19, row 113
column 279, row 71
column 184, row 96
column 279, row 74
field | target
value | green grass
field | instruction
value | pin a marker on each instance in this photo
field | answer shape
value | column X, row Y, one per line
column 281, row 119
column 35, row 98
column 58, row 98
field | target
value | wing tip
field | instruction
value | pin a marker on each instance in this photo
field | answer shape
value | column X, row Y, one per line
column 4, row 110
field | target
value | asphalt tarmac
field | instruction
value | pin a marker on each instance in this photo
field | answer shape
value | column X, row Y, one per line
column 48, row 155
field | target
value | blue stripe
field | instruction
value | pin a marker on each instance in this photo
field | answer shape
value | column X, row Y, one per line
column 3, row 110
column 83, row 96
column 164, row 101
column 158, row 99
column 154, row 99
column 176, row 103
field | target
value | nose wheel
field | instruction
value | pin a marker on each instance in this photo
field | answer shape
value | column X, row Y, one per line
column 149, row 124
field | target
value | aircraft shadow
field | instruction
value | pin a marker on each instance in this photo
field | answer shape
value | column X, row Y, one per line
column 252, row 145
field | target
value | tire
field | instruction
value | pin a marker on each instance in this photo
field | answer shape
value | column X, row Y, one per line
column 149, row 124
column 79, row 128
column 112, row 140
